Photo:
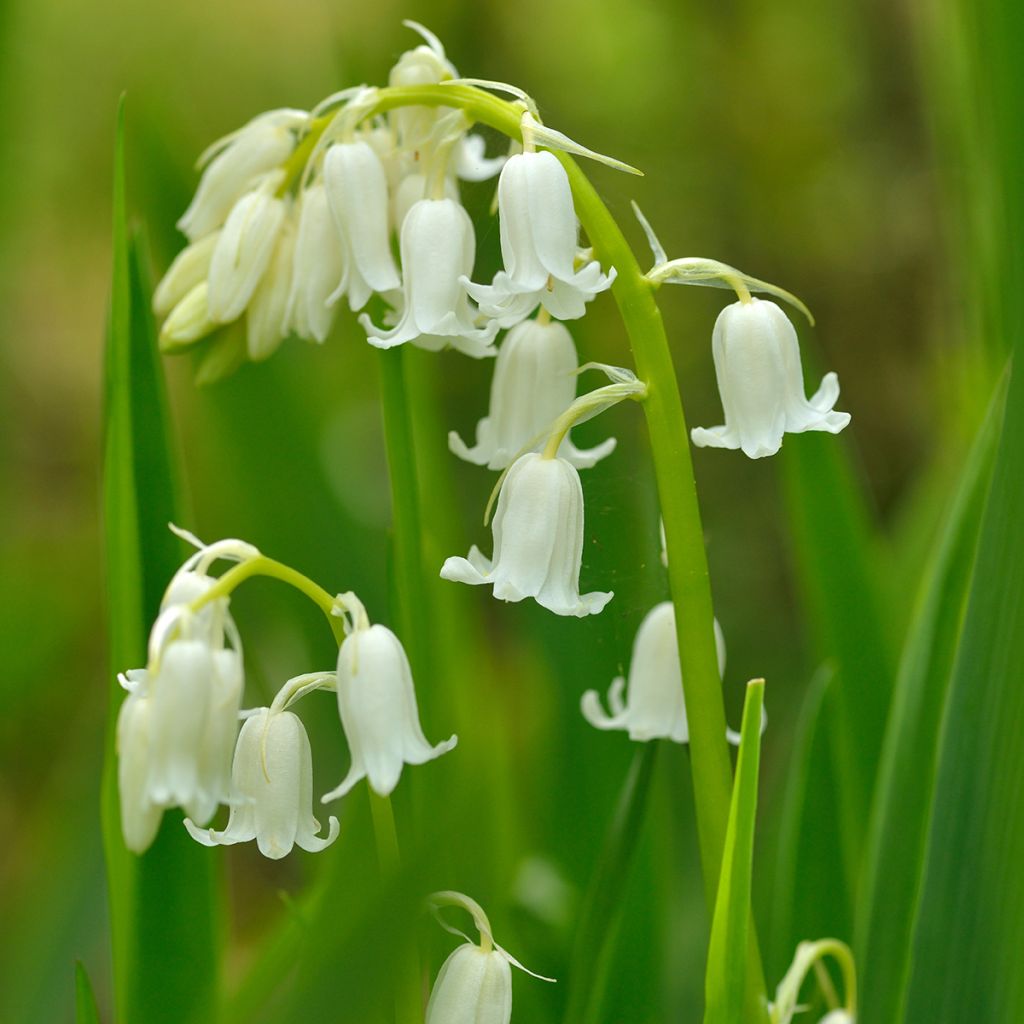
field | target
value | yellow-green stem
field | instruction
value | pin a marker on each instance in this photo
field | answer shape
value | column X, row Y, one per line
column 263, row 566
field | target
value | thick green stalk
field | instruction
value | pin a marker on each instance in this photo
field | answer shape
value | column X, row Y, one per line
column 688, row 569
column 408, row 983
column 409, row 590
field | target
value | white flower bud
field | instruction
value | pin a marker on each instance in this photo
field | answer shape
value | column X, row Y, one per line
column 538, row 246
column 267, row 313
column 654, row 707
column 377, row 705
column 259, row 147
column 472, row 987
column 760, row 380
column 189, row 321
column 189, row 268
column 272, row 790
column 438, row 248
column 243, row 252
column 319, row 262
column 534, row 383
column 357, row 193
column 538, row 540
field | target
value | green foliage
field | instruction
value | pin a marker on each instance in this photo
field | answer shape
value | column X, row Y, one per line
column 164, row 903
column 906, row 778
column 85, row 1001
column 729, row 948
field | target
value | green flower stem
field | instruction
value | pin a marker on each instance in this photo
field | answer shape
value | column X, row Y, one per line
column 688, row 569
column 408, row 985
column 412, row 607
column 263, row 566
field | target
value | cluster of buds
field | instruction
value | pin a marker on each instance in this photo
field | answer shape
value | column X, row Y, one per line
column 178, row 737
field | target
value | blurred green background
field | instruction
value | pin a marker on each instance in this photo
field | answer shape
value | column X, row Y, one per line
column 810, row 143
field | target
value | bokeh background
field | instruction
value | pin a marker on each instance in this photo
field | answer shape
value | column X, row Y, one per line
column 812, row 144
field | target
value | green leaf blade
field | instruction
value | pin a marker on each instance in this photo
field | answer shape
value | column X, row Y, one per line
column 730, row 929
column 164, row 909
column 85, row 1001
column 906, row 779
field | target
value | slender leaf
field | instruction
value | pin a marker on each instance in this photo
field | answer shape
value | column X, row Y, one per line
column 730, row 927
column 970, row 928
column 85, row 1001
column 163, row 907
column 809, row 872
column 906, row 779
column 831, row 538
column 598, row 918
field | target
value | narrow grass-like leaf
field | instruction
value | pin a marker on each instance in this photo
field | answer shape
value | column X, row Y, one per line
column 598, row 917
column 831, row 538
column 730, row 927
column 85, row 1001
column 163, row 909
column 906, row 778
column 808, row 870
column 970, row 928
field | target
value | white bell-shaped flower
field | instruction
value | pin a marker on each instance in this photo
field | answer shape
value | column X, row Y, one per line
column 243, row 251
column 357, row 194
column 188, row 269
column 189, row 321
column 534, row 382
column 411, row 189
column 538, row 540
column 760, row 380
column 377, row 705
column 474, row 986
column 266, row 318
column 239, row 161
column 319, row 260
column 140, row 816
column 539, row 246
column 272, row 790
column 438, row 248
column 654, row 707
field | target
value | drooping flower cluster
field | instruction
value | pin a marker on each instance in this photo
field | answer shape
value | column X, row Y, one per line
column 178, row 739
column 298, row 210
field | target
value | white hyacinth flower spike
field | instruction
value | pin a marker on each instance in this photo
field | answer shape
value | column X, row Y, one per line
column 539, row 246
column 377, row 706
column 534, row 382
column 438, row 248
column 760, row 380
column 272, row 790
column 538, row 540
column 474, row 985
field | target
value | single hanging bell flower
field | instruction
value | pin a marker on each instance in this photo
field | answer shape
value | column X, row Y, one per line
column 438, row 248
column 654, row 707
column 140, row 816
column 534, row 383
column 377, row 706
column 272, row 790
column 474, row 985
column 244, row 250
column 239, row 161
column 539, row 246
column 319, row 262
column 760, row 380
column 357, row 194
column 538, row 540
